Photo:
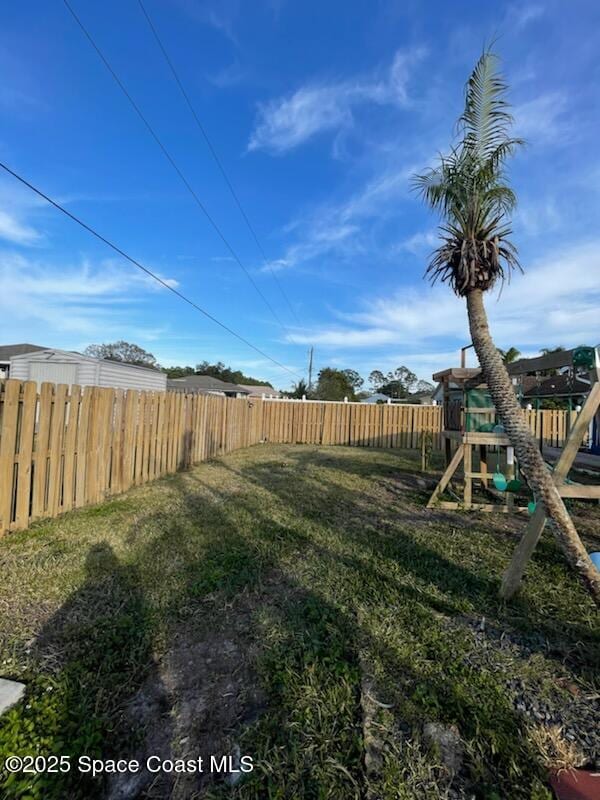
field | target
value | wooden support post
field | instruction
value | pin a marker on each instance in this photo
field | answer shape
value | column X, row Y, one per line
column 510, row 474
column 511, row 580
column 468, row 468
column 483, row 469
column 445, row 479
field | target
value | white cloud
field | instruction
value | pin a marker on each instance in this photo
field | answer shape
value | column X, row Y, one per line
column 339, row 228
column 288, row 122
column 228, row 77
column 542, row 120
column 14, row 231
column 17, row 207
column 554, row 302
column 419, row 243
column 539, row 218
column 221, row 15
column 84, row 300
column 346, row 337
column 521, row 15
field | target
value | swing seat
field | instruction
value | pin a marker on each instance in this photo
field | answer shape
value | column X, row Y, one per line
column 514, row 485
column 531, row 506
column 499, row 481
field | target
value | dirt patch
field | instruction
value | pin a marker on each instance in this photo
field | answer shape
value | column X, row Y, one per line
column 203, row 691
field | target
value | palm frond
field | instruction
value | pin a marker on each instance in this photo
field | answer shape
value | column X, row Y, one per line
column 468, row 188
column 485, row 122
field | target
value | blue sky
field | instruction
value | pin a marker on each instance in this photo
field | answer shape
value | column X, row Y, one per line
column 320, row 113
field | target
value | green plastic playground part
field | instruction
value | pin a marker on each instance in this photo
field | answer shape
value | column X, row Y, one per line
column 584, row 357
column 531, row 506
column 486, row 427
column 499, row 481
column 504, row 485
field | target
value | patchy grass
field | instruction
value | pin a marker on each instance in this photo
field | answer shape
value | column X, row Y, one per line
column 245, row 605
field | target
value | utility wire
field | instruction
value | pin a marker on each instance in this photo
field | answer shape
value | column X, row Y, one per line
column 215, row 156
column 172, row 162
column 140, row 266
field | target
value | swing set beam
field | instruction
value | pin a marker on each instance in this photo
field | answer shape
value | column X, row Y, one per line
column 511, row 580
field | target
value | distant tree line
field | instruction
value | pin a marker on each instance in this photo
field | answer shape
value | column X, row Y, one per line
column 218, row 370
column 398, row 384
column 336, row 384
column 331, row 384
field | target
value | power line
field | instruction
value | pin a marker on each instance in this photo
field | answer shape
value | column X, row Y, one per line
column 140, row 266
column 172, row 162
column 215, row 156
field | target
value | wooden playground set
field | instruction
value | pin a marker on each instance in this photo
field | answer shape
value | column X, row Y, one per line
column 489, row 467
column 475, row 440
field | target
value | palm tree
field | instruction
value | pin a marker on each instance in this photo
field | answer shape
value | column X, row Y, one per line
column 509, row 356
column 299, row 390
column 470, row 190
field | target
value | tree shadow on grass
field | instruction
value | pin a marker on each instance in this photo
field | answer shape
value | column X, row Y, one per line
column 411, row 538
column 315, row 654
column 86, row 661
column 269, row 606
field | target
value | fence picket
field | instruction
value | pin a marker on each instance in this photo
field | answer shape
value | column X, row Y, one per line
column 8, row 447
column 25, row 447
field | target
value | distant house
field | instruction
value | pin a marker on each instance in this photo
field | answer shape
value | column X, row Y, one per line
column 555, row 387
column 67, row 366
column 259, row 391
column 7, row 351
column 206, row 384
column 419, row 398
column 376, row 397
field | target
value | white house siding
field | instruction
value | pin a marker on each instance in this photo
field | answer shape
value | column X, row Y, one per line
column 52, row 371
column 128, row 376
column 19, row 370
column 87, row 373
column 57, row 366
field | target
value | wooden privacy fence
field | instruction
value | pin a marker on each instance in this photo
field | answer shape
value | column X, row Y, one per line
column 551, row 426
column 358, row 424
column 66, row 447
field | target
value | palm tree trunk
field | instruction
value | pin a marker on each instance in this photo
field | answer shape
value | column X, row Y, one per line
column 529, row 456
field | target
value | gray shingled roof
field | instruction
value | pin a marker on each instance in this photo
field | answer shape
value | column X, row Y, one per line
column 557, row 386
column 258, row 390
column 7, row 351
column 205, row 383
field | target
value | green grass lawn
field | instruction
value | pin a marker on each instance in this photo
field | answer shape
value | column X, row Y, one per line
column 298, row 605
